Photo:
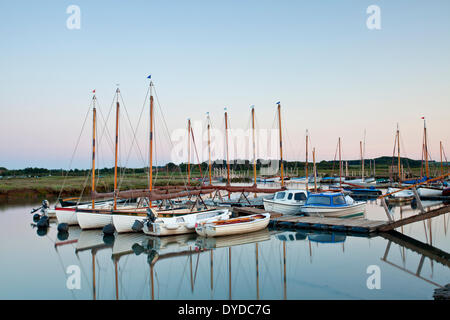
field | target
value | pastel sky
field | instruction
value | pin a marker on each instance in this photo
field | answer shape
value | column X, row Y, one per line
column 333, row 75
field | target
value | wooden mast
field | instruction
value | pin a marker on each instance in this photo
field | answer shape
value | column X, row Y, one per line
column 440, row 151
column 398, row 155
column 189, row 151
column 116, row 149
column 284, row 271
column 94, row 119
column 425, row 147
column 306, row 163
column 257, row 271
column 362, row 163
column 254, row 146
column 362, row 160
column 209, row 148
column 281, row 143
column 150, row 168
column 315, row 169
column 116, row 277
column 94, row 295
column 340, row 164
column 226, row 142
column 363, row 150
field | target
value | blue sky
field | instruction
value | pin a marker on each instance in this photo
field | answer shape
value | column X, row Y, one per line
column 332, row 74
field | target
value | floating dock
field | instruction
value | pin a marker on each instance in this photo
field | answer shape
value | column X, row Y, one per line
column 358, row 225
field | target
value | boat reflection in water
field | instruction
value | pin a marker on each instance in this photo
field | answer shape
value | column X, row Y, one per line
column 257, row 265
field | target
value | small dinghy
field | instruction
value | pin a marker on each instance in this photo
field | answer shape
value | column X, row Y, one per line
column 182, row 224
column 333, row 204
column 133, row 223
column 400, row 196
column 430, row 191
column 240, row 225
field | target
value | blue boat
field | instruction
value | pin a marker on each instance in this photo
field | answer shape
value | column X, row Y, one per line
column 333, row 204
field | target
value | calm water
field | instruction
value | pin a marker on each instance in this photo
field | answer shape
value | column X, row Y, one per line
column 272, row 264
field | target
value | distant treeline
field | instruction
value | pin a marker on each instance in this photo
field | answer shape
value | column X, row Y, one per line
column 237, row 165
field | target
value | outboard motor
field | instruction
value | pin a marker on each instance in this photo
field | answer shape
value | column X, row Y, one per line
column 45, row 204
column 151, row 215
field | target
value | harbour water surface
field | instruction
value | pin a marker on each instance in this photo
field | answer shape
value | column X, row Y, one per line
column 271, row 264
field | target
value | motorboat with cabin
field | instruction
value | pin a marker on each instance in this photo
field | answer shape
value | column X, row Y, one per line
column 333, row 204
column 286, row 202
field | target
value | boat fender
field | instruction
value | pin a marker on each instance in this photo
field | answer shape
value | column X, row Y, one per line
column 63, row 227
column 36, row 217
column 109, row 229
column 62, row 235
column 191, row 225
column 137, row 225
column 137, row 249
column 41, row 232
column 43, row 222
column 108, row 239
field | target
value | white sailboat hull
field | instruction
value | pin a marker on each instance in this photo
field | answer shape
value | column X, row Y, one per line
column 88, row 220
column 68, row 216
column 124, row 223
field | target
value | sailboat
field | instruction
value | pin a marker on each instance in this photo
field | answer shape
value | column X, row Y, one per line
column 67, row 211
column 243, row 189
column 287, row 201
column 395, row 195
column 131, row 219
column 427, row 190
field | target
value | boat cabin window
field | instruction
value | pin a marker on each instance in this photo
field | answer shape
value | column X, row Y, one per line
column 280, row 195
column 289, row 196
column 300, row 196
column 338, row 200
column 321, row 200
